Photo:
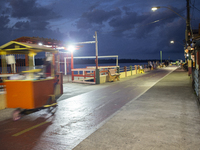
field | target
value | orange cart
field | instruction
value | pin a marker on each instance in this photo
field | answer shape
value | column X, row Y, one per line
column 31, row 93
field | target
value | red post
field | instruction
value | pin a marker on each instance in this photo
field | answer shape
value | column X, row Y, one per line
column 85, row 73
column 26, row 60
column 94, row 77
column 136, row 69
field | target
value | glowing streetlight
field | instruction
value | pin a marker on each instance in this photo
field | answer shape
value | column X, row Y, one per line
column 155, row 8
column 71, row 48
column 172, row 42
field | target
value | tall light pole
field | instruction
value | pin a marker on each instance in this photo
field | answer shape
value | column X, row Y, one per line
column 161, row 57
column 187, row 33
column 188, row 36
column 96, row 47
column 96, row 50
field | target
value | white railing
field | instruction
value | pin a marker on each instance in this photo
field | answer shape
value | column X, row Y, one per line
column 84, row 75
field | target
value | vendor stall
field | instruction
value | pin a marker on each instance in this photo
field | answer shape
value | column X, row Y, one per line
column 31, row 88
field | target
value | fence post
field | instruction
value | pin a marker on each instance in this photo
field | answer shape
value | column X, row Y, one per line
column 125, row 71
column 97, row 76
column 135, row 69
column 72, row 75
column 117, row 69
column 131, row 70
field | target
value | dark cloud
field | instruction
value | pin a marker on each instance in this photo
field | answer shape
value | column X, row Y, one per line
column 27, row 25
column 4, row 22
column 92, row 7
column 96, row 16
column 31, row 10
column 125, row 28
column 22, row 25
column 123, row 23
column 83, row 24
column 34, row 16
column 136, row 32
column 135, row 25
column 33, row 20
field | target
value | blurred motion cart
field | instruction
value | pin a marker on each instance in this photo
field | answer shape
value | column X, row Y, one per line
column 35, row 91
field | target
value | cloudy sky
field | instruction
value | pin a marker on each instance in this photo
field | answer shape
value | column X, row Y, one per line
column 127, row 28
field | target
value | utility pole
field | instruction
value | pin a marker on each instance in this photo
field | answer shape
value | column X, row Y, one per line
column 161, row 57
column 96, row 47
column 188, row 36
column 96, row 60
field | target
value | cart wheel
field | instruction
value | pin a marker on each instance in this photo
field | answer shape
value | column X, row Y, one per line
column 16, row 114
column 50, row 109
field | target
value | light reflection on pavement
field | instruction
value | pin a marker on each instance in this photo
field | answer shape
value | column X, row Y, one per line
column 79, row 116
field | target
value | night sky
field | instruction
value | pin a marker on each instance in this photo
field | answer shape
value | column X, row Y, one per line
column 127, row 28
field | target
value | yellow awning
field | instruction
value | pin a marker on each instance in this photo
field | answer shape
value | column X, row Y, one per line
column 14, row 47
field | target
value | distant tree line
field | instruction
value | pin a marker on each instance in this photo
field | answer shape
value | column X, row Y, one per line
column 106, row 61
column 92, row 61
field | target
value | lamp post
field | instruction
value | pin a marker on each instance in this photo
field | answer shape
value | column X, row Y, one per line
column 172, row 42
column 187, row 33
column 96, row 51
column 155, row 8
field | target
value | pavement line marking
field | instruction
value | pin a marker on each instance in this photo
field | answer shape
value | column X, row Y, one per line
column 127, row 86
column 101, row 98
column 116, row 91
column 31, row 128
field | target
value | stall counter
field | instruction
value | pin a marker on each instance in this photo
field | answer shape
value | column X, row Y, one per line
column 28, row 94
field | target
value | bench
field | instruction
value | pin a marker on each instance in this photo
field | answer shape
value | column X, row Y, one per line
column 141, row 70
column 113, row 75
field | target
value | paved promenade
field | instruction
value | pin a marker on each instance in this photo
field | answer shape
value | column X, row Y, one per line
column 166, row 117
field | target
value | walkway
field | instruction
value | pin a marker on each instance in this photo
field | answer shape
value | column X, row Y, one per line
column 150, row 111
column 166, row 117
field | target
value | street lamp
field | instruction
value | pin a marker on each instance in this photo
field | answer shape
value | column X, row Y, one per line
column 71, row 48
column 172, row 42
column 188, row 30
column 155, row 8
